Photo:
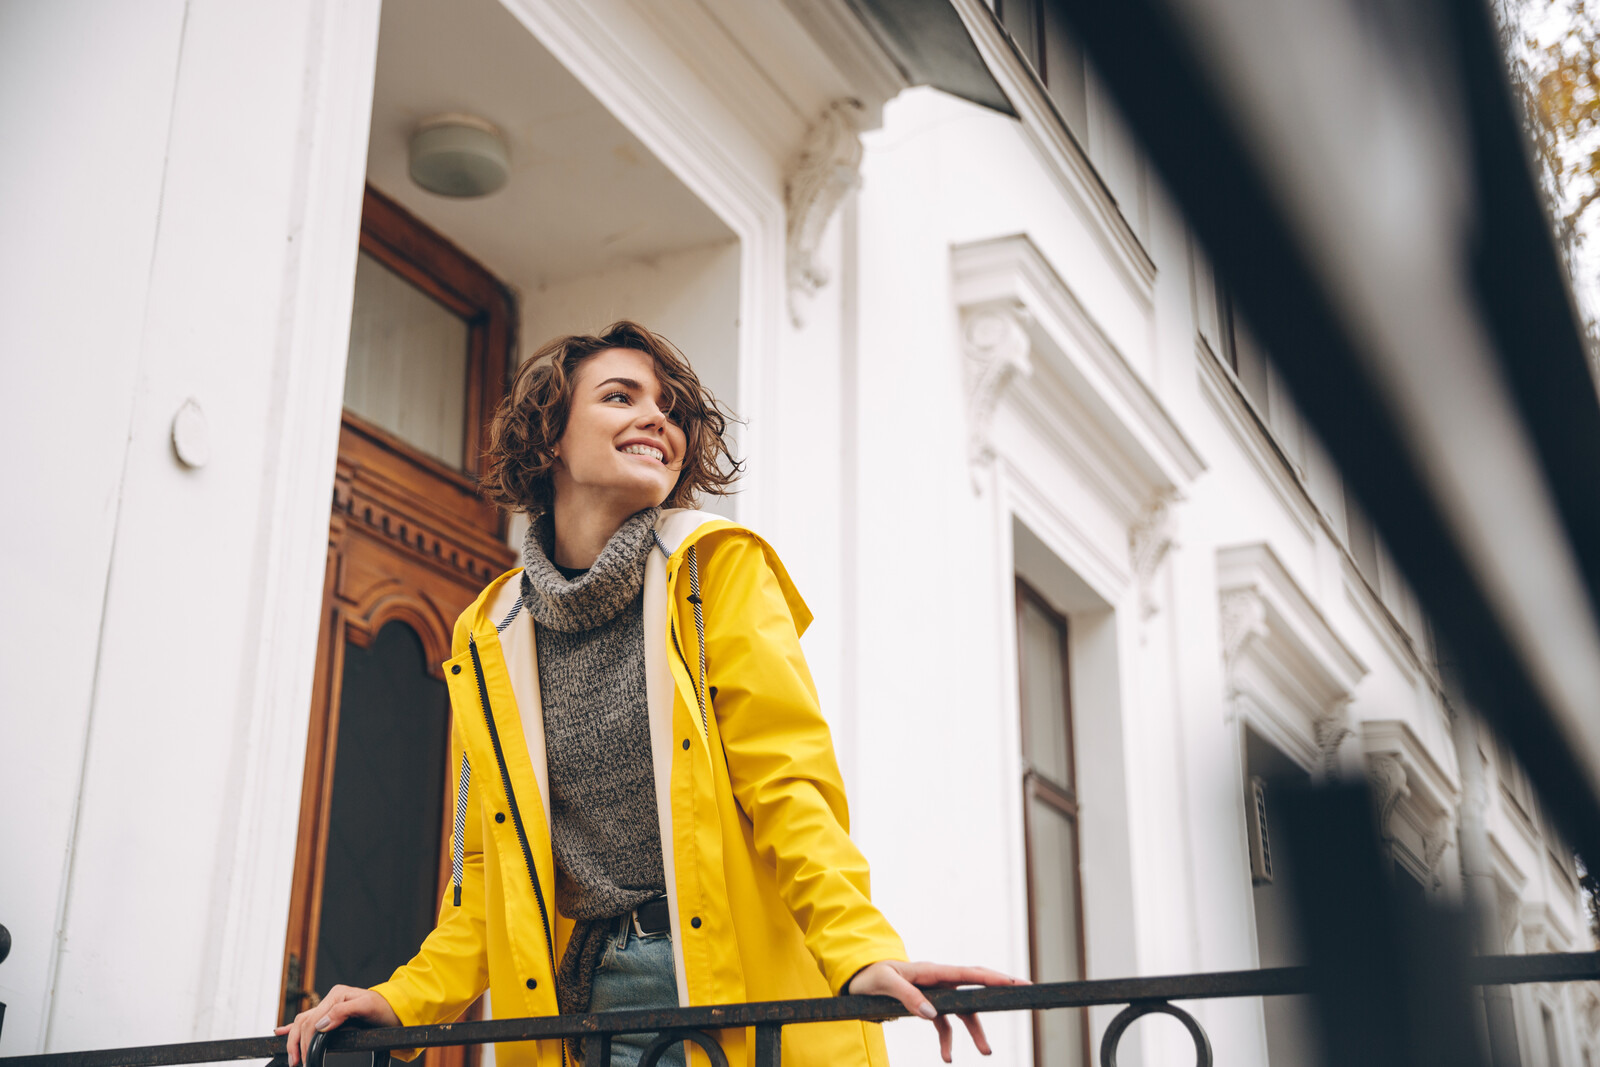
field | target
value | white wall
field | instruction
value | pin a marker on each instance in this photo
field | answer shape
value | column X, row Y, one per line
column 87, row 93
column 196, row 183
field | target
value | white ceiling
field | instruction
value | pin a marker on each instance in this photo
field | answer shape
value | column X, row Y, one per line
column 584, row 193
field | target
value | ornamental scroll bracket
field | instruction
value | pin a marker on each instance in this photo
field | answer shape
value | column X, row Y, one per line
column 1150, row 538
column 1387, row 776
column 1331, row 729
column 995, row 343
column 826, row 170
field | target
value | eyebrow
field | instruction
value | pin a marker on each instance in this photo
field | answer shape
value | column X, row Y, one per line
column 627, row 383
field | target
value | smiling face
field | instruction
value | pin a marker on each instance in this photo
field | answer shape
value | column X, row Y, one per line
column 620, row 452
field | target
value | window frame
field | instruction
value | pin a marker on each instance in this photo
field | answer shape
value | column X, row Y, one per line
column 1062, row 798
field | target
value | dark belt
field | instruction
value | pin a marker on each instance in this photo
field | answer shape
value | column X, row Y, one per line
column 652, row 919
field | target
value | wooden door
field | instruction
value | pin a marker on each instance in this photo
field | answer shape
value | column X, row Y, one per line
column 410, row 545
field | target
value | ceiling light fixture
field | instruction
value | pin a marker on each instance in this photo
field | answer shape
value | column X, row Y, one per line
column 459, row 155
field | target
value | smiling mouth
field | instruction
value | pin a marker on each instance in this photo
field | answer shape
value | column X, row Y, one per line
column 645, row 450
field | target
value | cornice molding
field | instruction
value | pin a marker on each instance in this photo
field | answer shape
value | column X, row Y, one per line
column 1066, row 162
column 1012, row 273
column 1281, row 657
column 1409, row 783
column 851, row 47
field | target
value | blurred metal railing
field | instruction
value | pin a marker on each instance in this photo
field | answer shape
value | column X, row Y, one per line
column 593, row 1033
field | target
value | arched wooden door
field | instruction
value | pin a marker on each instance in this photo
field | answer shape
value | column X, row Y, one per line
column 410, row 544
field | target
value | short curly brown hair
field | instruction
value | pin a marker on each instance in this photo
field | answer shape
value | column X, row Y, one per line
column 533, row 417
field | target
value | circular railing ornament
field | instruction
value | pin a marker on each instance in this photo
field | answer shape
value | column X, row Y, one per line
column 667, row 1038
column 1138, row 1010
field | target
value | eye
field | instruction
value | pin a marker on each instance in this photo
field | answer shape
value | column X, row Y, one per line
column 624, row 397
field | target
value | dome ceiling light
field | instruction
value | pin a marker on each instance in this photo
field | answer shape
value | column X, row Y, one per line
column 459, row 155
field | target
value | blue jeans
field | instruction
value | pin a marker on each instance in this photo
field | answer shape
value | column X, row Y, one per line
column 636, row 973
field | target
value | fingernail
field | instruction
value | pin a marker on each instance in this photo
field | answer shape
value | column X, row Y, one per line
column 927, row 1011
column 323, row 1024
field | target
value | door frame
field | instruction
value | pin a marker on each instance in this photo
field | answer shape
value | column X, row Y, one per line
column 393, row 503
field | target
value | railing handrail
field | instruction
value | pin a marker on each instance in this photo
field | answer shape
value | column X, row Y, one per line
column 1276, row 981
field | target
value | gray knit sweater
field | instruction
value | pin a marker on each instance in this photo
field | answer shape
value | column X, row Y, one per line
column 604, row 830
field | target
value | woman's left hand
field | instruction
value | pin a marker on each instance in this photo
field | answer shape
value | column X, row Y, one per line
column 899, row 979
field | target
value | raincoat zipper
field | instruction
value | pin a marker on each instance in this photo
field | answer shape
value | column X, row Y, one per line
column 516, row 814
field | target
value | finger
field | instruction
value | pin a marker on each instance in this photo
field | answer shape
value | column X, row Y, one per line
column 910, row 996
column 292, row 1046
column 975, row 1029
column 946, row 1043
column 948, row 974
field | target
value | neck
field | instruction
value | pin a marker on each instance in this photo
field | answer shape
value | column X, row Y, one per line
column 582, row 531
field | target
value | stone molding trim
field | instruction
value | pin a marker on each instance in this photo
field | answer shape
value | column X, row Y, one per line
column 1115, row 414
column 1415, row 794
column 1287, row 669
column 827, row 169
column 851, row 47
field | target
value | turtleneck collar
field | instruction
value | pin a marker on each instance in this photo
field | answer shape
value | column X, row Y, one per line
column 598, row 594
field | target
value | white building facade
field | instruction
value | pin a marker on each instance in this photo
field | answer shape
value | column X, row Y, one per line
column 1082, row 579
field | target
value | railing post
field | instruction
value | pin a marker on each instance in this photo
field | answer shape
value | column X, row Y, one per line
column 596, row 1050
column 769, row 1045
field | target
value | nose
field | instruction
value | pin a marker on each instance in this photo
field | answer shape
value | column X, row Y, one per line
column 652, row 417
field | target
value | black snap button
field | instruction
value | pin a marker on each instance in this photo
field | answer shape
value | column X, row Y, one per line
column 695, row 922
column 456, row 669
column 499, row 816
column 533, row 983
column 686, row 744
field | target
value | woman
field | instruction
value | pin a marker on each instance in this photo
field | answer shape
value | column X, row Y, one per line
column 649, row 811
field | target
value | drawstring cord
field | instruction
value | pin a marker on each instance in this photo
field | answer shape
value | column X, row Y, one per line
column 461, row 825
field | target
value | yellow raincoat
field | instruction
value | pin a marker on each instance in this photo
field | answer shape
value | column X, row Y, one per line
column 768, row 896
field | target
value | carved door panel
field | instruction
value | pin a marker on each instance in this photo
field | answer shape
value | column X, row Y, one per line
column 410, row 544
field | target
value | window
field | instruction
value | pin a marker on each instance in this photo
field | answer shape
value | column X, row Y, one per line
column 1361, row 539
column 1513, row 780
column 1050, row 817
column 1045, row 42
column 1240, row 351
column 1552, row 1057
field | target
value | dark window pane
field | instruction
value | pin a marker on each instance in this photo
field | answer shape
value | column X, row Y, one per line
column 1248, row 359
column 1021, row 18
column 1047, row 740
column 379, row 894
column 1552, row 1050
column 1064, row 73
column 1362, row 539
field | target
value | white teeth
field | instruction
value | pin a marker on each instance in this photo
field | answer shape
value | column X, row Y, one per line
column 645, row 450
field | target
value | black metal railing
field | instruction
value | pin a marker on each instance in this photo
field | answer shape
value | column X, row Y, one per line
column 593, row 1033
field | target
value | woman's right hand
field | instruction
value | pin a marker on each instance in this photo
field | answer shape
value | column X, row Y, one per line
column 342, row 1002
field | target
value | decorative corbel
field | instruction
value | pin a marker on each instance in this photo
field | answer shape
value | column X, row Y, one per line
column 1150, row 538
column 1388, row 778
column 996, row 345
column 826, row 170
column 1434, row 844
column 1243, row 616
column 1331, row 729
